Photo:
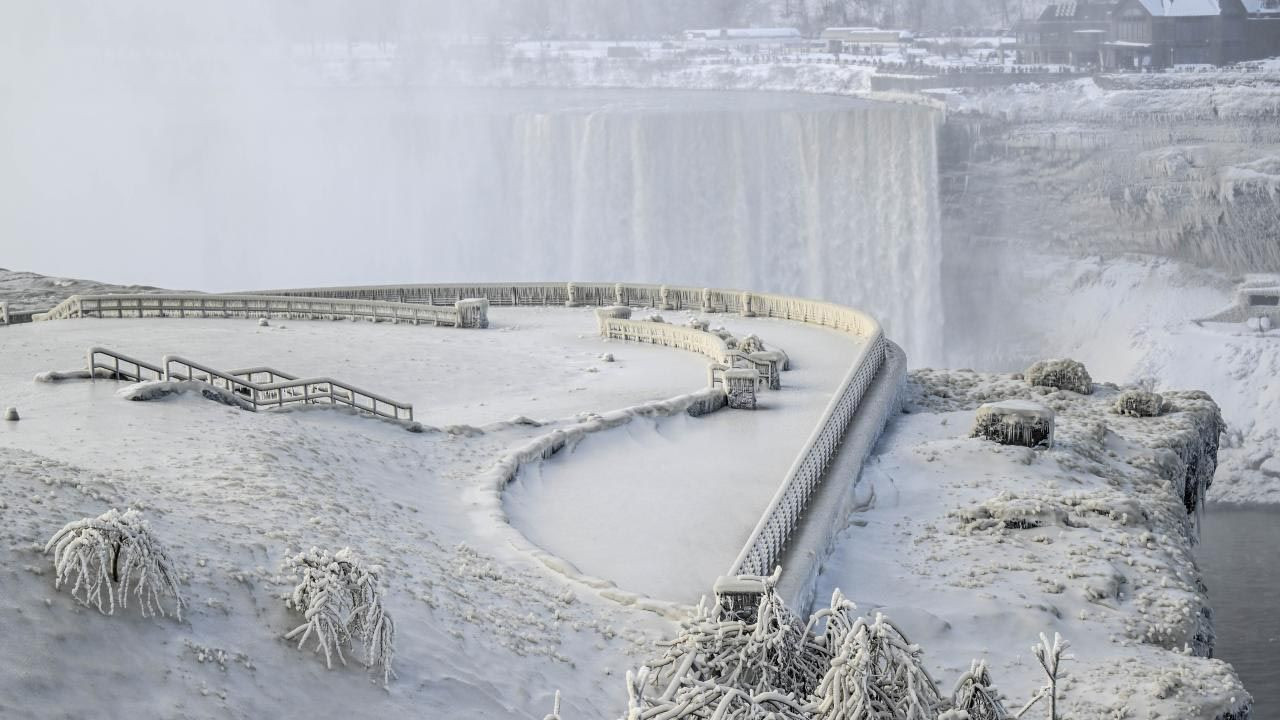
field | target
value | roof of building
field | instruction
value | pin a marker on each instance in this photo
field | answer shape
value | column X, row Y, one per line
column 1183, row 8
column 1262, row 6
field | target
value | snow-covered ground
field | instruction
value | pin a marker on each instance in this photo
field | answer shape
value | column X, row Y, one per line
column 974, row 548
column 231, row 492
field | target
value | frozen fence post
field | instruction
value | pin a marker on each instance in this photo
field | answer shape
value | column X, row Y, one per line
column 619, row 294
column 1014, row 422
column 473, row 312
column 612, row 312
column 740, row 384
column 739, row 596
column 664, row 298
column 573, row 295
column 706, row 301
column 4, row 313
column 747, row 309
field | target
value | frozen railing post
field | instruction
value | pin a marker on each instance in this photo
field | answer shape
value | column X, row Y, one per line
column 706, row 301
column 612, row 312
column 664, row 298
column 739, row 596
column 575, row 297
column 4, row 313
column 473, row 312
column 1014, row 422
column 740, row 384
column 747, row 309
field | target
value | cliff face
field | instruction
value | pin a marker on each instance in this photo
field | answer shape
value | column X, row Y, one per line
column 1184, row 166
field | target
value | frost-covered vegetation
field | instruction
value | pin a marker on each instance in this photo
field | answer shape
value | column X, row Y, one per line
column 1139, row 403
column 341, row 599
column 111, row 556
column 1065, row 374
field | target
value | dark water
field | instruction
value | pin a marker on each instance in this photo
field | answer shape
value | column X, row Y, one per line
column 1239, row 555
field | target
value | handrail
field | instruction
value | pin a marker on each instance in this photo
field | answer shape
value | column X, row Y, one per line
column 139, row 365
column 768, row 538
column 314, row 389
column 466, row 312
column 270, row 372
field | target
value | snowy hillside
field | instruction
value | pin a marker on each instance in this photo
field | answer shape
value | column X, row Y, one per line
column 27, row 291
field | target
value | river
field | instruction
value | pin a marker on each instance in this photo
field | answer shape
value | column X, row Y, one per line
column 1238, row 557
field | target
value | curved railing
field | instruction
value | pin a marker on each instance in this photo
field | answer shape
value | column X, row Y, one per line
column 767, row 542
column 465, row 312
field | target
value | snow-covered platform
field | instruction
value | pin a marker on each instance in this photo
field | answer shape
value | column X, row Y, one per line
column 232, row 492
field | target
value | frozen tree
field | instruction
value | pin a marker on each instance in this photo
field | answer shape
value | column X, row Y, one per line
column 1050, row 657
column 111, row 556
column 341, row 601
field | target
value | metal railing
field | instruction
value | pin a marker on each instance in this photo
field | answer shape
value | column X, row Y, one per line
column 692, row 339
column 463, row 313
column 767, row 542
column 119, row 364
column 287, row 390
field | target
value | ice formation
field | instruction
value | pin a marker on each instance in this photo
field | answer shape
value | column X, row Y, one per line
column 111, row 555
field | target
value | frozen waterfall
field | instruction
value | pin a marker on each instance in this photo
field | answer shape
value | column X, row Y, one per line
column 811, row 195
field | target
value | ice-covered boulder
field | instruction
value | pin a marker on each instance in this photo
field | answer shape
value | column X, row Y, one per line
column 11, row 414
column 1065, row 374
column 1139, row 403
column 1014, row 422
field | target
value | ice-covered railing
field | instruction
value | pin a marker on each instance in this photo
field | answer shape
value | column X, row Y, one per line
column 465, row 312
column 286, row 390
column 121, row 366
column 4, row 313
column 768, row 540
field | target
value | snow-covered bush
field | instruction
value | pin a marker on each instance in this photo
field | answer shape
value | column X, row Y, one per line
column 1051, row 657
column 1061, row 374
column 775, row 666
column 341, row 599
column 976, row 697
column 1139, row 403
column 1014, row 422
column 110, row 556
column 875, row 672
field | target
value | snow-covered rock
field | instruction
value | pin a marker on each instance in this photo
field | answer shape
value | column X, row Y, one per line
column 1065, row 374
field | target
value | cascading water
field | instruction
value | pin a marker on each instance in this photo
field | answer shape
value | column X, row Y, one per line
column 811, row 195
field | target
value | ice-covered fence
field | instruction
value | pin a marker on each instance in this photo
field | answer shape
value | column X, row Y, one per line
column 286, row 390
column 4, row 313
column 465, row 312
column 769, row 538
column 694, row 340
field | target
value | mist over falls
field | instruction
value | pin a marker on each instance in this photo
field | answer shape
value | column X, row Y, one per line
column 219, row 189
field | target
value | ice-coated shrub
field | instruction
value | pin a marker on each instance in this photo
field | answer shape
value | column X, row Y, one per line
column 111, row 556
column 341, row 600
column 1063, row 374
column 1139, row 403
